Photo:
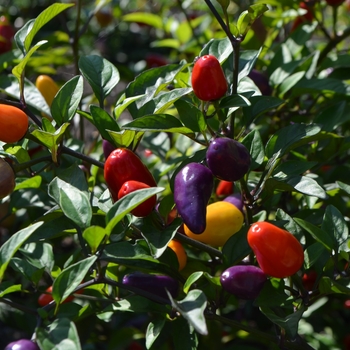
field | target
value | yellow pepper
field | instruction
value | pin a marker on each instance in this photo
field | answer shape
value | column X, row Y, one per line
column 222, row 221
column 47, row 87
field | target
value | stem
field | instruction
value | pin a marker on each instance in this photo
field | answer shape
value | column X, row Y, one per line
column 210, row 250
column 81, row 156
column 18, row 306
column 21, row 166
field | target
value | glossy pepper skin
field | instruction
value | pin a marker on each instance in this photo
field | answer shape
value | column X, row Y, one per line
column 22, row 344
column 222, row 221
column 155, row 284
column 7, row 179
column 243, row 281
column 6, row 35
column 277, row 251
column 193, row 187
column 124, row 165
column 13, row 123
column 144, row 208
column 236, row 200
column 228, row 159
column 208, row 79
column 47, row 87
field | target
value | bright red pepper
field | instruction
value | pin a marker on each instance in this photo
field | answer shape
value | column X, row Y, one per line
column 46, row 298
column 224, row 188
column 277, row 251
column 124, row 165
column 6, row 35
column 144, row 208
column 208, row 79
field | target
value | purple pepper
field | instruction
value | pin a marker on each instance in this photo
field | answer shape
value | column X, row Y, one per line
column 228, row 159
column 236, row 200
column 22, row 344
column 155, row 284
column 243, row 281
column 193, row 187
column 107, row 148
column 261, row 81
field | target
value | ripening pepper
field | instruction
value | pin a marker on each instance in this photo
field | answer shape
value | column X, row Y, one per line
column 144, row 208
column 277, row 251
column 193, row 187
column 124, row 165
column 224, row 188
column 47, row 87
column 236, row 200
column 7, row 179
column 13, row 123
column 222, row 221
column 208, row 79
column 6, row 35
column 227, row 159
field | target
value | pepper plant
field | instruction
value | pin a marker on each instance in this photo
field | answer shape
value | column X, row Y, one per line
column 145, row 251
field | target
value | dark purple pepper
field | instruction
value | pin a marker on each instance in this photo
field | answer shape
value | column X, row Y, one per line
column 22, row 344
column 193, row 187
column 261, row 81
column 155, row 284
column 108, row 148
column 243, row 281
column 236, row 200
column 228, row 159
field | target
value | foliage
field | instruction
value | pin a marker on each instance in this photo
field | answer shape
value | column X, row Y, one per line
column 128, row 81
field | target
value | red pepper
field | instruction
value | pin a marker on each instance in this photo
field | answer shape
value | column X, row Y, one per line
column 277, row 251
column 208, row 79
column 124, row 165
column 144, row 208
column 6, row 35
column 224, row 188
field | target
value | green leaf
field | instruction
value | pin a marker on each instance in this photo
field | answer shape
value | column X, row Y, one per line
column 248, row 17
column 156, row 239
column 74, row 203
column 70, row 278
column 334, row 224
column 259, row 105
column 255, row 146
column 51, row 141
column 94, row 235
column 126, row 204
column 289, row 322
column 149, row 84
column 120, row 107
column 32, row 182
column 220, row 48
column 236, row 248
column 61, row 334
column 158, row 122
column 44, row 17
column 331, row 117
column 76, row 206
column 190, row 116
column 290, row 137
column 325, row 86
column 21, row 35
column 234, row 101
column 103, row 122
column 122, row 138
column 301, row 184
column 66, row 101
column 10, row 247
column 9, row 85
column 101, row 74
column 192, row 309
column 292, row 167
column 313, row 253
column 289, row 83
column 318, row 234
column 194, row 277
column 146, row 18
column 18, row 70
column 7, row 288
column 153, row 331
